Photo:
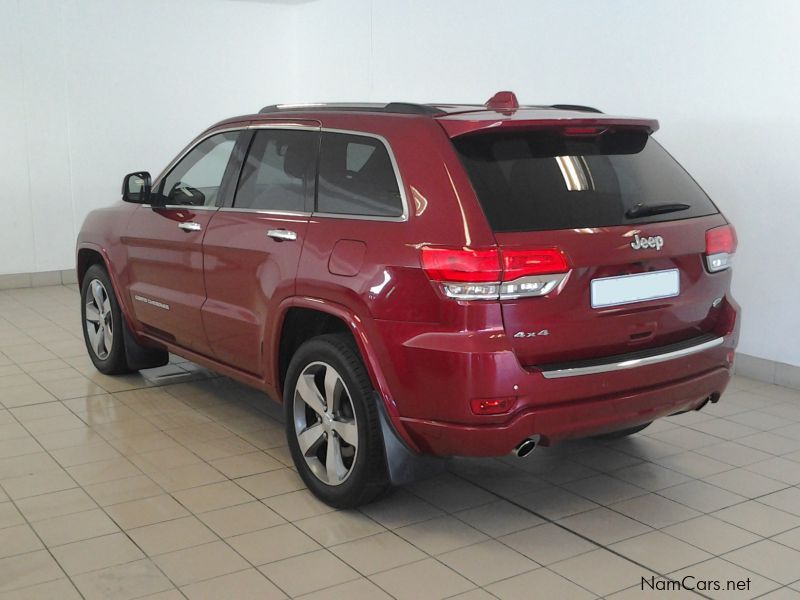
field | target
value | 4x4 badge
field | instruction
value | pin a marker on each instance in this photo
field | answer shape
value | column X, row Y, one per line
column 640, row 243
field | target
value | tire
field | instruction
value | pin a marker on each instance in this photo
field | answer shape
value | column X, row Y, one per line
column 615, row 435
column 102, row 322
column 329, row 407
column 125, row 355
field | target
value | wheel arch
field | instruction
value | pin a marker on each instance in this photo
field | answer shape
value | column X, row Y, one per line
column 338, row 318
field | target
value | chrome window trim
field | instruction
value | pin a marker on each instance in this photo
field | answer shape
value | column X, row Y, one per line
column 266, row 125
column 632, row 363
column 264, row 211
column 400, row 185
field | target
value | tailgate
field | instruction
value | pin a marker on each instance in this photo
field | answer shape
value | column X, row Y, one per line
column 630, row 222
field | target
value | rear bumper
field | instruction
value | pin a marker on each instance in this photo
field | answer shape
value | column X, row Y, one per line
column 600, row 414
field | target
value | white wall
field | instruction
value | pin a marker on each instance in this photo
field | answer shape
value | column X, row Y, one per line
column 93, row 89
column 90, row 100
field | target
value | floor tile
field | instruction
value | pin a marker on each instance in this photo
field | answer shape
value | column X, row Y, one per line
column 169, row 536
column 701, row 496
column 498, row 518
column 548, row 543
column 400, row 508
column 787, row 500
column 24, row 570
column 339, row 527
column 487, row 562
column 600, row 571
column 711, row 535
column 211, row 497
column 121, row 582
column 604, row 526
column 272, row 483
column 660, row 552
column 543, row 582
column 243, row 585
column 96, row 553
column 74, row 527
column 60, row 589
column 377, row 553
column 654, row 510
column 723, row 571
column 54, row 504
column 235, row 520
column 308, row 572
column 276, row 543
column 440, row 535
column 768, row 558
column 146, row 511
column 199, row 563
column 758, row 518
column 18, row 539
column 358, row 589
column 426, row 579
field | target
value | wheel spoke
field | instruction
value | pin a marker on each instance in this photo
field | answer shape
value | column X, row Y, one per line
column 92, row 314
column 107, row 338
column 310, row 394
column 331, row 379
column 97, row 294
column 95, row 339
column 334, row 466
column 106, row 306
column 348, row 431
column 310, row 439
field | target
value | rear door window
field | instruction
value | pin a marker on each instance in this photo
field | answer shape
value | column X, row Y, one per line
column 536, row 181
column 357, row 177
column 279, row 171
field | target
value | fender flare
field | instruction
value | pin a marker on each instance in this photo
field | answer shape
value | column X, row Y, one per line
column 387, row 408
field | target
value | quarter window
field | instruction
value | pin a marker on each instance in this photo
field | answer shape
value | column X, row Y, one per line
column 356, row 177
column 279, row 171
column 196, row 179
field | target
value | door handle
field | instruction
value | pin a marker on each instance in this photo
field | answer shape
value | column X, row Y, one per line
column 282, row 234
column 190, row 226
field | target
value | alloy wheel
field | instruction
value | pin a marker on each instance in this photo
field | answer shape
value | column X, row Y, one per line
column 325, row 423
column 98, row 319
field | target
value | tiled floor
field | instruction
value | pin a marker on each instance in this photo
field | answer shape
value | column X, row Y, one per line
column 176, row 483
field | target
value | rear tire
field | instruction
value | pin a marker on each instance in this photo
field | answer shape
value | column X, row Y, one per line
column 615, row 435
column 332, row 424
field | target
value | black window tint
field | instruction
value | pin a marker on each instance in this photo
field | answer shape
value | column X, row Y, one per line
column 540, row 181
column 356, row 177
column 278, row 173
column 196, row 179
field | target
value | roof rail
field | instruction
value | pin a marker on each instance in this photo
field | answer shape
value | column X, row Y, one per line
column 577, row 107
column 400, row 108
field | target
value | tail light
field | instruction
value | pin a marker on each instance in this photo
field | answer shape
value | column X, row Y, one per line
column 491, row 274
column 720, row 246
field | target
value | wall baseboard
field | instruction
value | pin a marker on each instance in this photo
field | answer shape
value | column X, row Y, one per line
column 768, row 371
column 760, row 369
column 27, row 280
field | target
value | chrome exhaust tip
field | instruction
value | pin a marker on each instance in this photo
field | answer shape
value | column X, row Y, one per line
column 525, row 447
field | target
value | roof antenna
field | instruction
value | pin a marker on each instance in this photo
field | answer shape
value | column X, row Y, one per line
column 503, row 102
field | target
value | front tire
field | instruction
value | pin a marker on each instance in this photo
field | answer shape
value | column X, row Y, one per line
column 102, row 322
column 332, row 425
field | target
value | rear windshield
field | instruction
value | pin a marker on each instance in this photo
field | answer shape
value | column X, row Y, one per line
column 536, row 181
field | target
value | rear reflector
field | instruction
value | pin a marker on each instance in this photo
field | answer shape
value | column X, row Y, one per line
column 721, row 244
column 485, row 274
column 491, row 406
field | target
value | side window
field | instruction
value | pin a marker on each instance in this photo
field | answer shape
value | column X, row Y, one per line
column 356, row 177
column 279, row 171
column 196, row 179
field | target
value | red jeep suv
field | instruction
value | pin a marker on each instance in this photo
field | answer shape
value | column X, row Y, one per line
column 422, row 280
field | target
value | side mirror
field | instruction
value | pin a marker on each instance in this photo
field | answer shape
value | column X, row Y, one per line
column 136, row 187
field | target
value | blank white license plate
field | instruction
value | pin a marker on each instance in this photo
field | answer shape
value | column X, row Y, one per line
column 625, row 289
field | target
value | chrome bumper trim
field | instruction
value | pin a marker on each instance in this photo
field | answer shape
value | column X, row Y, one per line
column 631, row 363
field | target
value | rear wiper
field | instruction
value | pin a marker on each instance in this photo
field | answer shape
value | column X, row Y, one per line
column 647, row 210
